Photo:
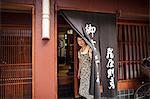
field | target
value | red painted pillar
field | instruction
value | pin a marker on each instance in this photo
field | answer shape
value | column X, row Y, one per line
column 45, row 68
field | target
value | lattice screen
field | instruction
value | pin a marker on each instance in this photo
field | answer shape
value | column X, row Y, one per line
column 15, row 63
column 133, row 47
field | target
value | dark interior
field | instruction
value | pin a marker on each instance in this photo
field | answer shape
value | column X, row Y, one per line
column 65, row 59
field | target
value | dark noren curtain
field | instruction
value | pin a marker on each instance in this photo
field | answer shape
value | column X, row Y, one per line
column 103, row 38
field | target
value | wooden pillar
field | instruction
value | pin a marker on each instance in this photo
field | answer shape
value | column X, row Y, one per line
column 45, row 69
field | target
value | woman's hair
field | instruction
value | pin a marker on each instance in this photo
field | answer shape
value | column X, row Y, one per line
column 78, row 36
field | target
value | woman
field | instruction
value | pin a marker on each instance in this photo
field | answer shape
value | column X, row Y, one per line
column 84, row 71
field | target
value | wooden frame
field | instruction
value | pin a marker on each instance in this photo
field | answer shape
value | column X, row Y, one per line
column 19, row 6
column 55, row 53
column 33, row 66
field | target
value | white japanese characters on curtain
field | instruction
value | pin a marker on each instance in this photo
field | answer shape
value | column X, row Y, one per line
column 91, row 29
column 110, row 68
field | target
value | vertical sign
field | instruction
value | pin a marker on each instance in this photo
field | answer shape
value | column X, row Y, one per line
column 110, row 68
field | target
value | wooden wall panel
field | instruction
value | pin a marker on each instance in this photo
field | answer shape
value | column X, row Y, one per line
column 18, row 1
column 16, row 18
column 127, row 8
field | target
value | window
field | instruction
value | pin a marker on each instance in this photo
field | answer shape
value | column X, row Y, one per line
column 15, row 54
column 133, row 47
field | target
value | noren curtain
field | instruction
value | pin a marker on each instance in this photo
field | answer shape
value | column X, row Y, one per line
column 99, row 32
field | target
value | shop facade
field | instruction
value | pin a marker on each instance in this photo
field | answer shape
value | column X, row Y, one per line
column 131, row 16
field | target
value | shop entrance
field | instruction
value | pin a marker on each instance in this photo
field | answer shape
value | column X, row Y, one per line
column 67, row 60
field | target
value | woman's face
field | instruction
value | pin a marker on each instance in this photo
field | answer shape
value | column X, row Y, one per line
column 80, row 41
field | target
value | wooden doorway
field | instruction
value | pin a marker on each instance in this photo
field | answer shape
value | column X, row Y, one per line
column 67, row 60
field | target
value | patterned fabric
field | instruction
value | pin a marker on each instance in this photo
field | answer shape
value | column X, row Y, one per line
column 85, row 72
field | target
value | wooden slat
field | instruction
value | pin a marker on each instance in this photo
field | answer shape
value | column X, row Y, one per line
column 126, row 51
column 137, row 50
column 118, row 46
column 134, row 51
column 130, row 51
column 147, row 34
column 140, row 36
column 121, row 53
column 143, row 43
column 128, row 36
